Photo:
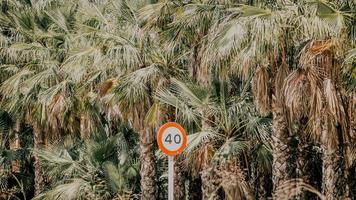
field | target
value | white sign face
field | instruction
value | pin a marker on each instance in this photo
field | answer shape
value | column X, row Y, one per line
column 171, row 138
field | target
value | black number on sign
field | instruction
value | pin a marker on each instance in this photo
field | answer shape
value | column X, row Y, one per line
column 168, row 139
column 177, row 139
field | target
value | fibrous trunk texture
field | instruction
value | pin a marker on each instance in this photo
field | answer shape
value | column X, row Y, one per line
column 225, row 181
column 38, row 144
column 280, row 145
column 179, row 179
column 352, row 169
column 260, row 182
column 331, row 171
column 148, row 169
column 333, row 180
column 352, row 181
column 210, row 184
column 309, row 166
column 4, row 179
column 14, row 145
column 84, row 126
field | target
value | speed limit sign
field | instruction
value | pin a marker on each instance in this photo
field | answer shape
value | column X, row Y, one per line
column 171, row 138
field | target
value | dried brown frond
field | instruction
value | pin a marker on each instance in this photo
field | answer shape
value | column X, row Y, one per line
column 316, row 57
column 105, row 87
column 55, row 113
column 297, row 92
column 293, row 188
column 329, row 136
column 315, row 112
column 333, row 104
column 281, row 75
column 84, row 126
column 335, row 109
column 57, row 106
column 320, row 46
column 260, row 90
column 314, row 48
column 202, row 157
column 198, row 68
column 115, row 112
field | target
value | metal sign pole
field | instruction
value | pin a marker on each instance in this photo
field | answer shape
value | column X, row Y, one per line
column 170, row 177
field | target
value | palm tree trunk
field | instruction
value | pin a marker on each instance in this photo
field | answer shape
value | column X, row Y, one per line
column 262, row 188
column 148, row 168
column 14, row 145
column 4, row 179
column 209, row 179
column 210, row 184
column 301, row 155
column 38, row 144
column 234, row 182
column 309, row 167
column 254, row 179
column 280, row 145
column 84, row 132
column 352, row 169
column 330, row 173
column 259, row 182
column 226, row 178
column 332, row 180
column 352, row 181
column 352, row 115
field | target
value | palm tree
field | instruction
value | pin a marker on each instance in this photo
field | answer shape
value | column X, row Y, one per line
column 98, row 169
column 212, row 152
column 249, row 51
column 67, row 69
column 13, row 160
column 72, row 69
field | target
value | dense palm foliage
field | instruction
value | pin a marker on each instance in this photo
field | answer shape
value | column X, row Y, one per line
column 264, row 88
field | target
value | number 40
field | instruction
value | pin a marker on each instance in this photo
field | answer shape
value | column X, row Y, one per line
column 177, row 139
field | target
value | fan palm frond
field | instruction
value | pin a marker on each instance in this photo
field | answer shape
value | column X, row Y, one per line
column 292, row 188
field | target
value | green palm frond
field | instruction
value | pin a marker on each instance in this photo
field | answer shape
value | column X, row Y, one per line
column 158, row 14
column 351, row 55
column 72, row 190
column 264, row 156
column 135, row 87
column 232, row 148
column 116, row 180
column 59, row 163
column 91, row 170
column 91, row 10
column 198, row 139
column 11, row 86
column 189, row 99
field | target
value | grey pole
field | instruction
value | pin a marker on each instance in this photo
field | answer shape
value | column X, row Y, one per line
column 170, row 177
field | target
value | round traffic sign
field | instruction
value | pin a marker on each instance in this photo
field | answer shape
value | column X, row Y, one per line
column 172, row 138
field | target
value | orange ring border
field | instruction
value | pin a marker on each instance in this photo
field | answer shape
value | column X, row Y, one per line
column 160, row 135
